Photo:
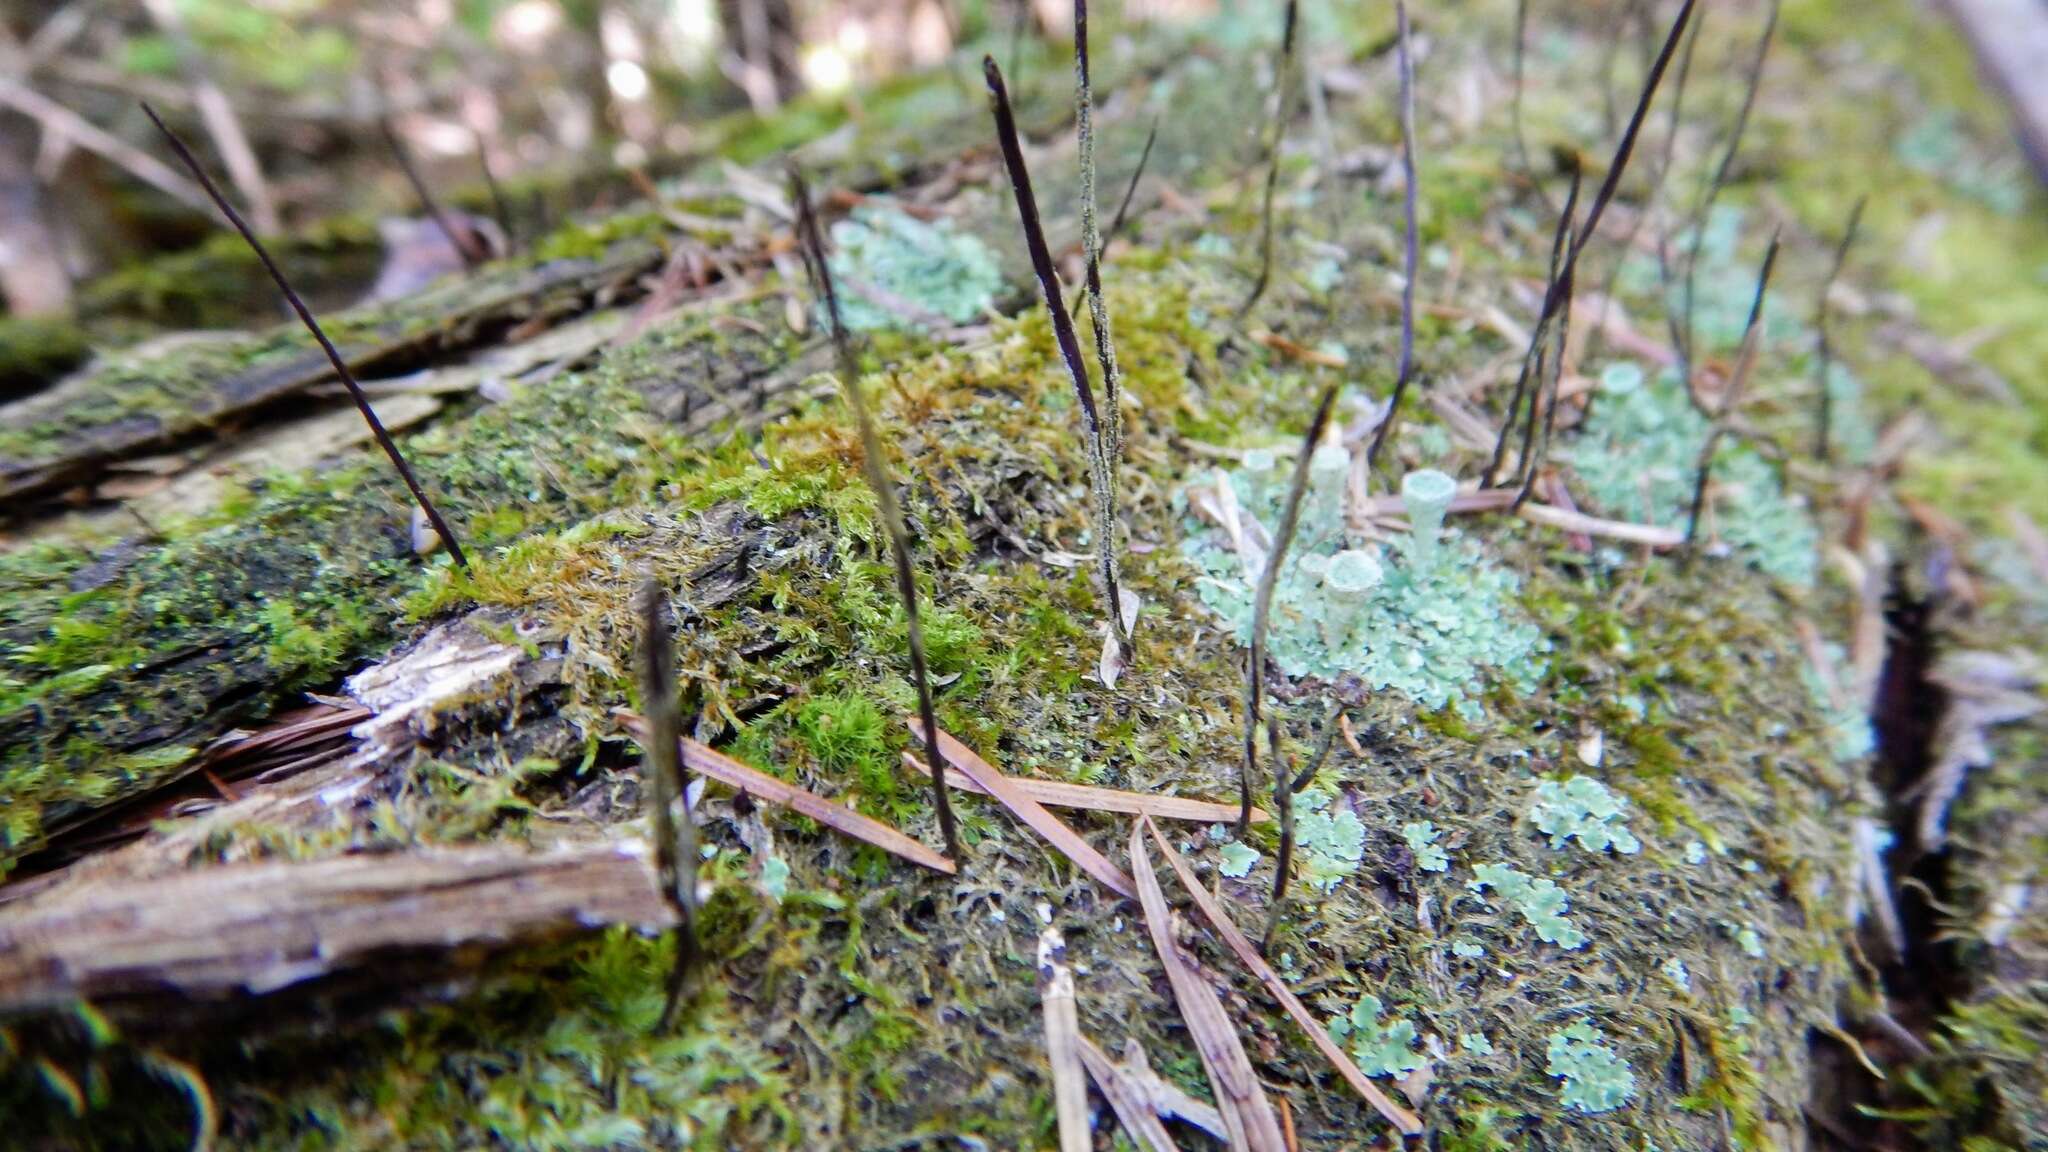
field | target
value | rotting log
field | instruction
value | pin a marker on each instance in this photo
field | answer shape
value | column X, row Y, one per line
column 855, row 1001
column 257, row 929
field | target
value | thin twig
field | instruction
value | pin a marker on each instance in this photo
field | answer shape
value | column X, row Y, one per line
column 1091, row 243
column 1531, row 462
column 1665, row 163
column 1820, row 325
column 1753, row 82
column 1521, row 54
column 1745, row 362
column 1411, row 259
column 1262, row 604
column 348, row 379
column 1553, row 297
column 58, row 121
column 499, row 208
column 1116, row 224
column 1283, row 85
column 464, row 246
column 1102, row 464
column 875, row 467
column 1533, row 354
column 675, row 843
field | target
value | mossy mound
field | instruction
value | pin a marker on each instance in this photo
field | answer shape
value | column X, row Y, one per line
column 1601, row 908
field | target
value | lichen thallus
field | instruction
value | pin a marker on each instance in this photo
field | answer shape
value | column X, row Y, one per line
column 348, row 380
column 874, row 466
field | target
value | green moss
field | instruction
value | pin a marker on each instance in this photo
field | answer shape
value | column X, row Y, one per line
column 35, row 351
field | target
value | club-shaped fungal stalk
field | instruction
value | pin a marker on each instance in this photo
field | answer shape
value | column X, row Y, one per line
column 1426, row 495
column 1329, row 472
column 1349, row 581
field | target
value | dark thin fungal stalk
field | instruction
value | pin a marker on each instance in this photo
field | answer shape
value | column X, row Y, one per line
column 1285, row 785
column 1515, row 104
column 1091, row 243
column 1283, row 806
column 1562, row 332
column 1712, row 192
column 348, row 378
column 1745, row 361
column 1533, row 355
column 1283, row 85
column 1820, row 324
column 1102, row 466
column 1123, row 208
column 675, row 842
column 1410, row 259
column 465, row 245
column 1553, row 297
column 1665, row 163
column 500, row 210
column 811, row 242
column 1262, row 604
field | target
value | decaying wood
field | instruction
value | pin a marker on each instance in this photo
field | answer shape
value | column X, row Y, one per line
column 255, row 929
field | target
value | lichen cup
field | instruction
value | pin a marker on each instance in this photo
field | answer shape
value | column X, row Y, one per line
column 1426, row 495
column 1349, row 581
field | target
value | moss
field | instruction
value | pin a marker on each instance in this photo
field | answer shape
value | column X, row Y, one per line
column 35, row 351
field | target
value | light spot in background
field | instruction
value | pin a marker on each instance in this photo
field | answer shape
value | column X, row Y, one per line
column 827, row 68
column 526, row 25
column 628, row 80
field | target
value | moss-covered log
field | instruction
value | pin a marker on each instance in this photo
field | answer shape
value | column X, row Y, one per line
column 1585, row 867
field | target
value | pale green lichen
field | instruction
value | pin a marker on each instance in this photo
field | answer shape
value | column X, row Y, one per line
column 1379, row 1049
column 1695, row 852
column 1751, row 943
column 1637, row 460
column 1428, row 615
column 1330, row 844
column 1469, row 949
column 1850, row 734
column 896, row 271
column 1476, row 1044
column 1541, row 902
column 1675, row 971
column 1421, row 838
column 1237, row 860
column 1595, row 1079
column 1583, row 808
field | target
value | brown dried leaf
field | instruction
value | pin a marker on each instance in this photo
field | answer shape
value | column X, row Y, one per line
column 1248, row 1115
column 1032, row 813
column 1398, row 1116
